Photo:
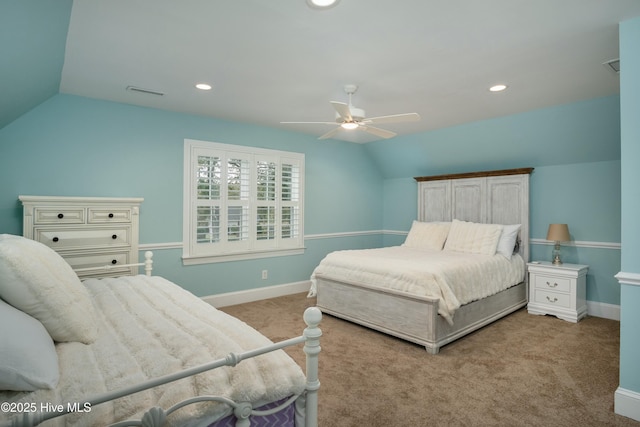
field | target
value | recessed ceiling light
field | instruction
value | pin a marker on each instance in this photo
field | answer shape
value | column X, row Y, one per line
column 203, row 86
column 497, row 88
column 322, row 4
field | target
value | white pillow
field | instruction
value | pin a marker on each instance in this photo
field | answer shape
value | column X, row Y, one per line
column 507, row 242
column 28, row 359
column 473, row 238
column 427, row 235
column 37, row 280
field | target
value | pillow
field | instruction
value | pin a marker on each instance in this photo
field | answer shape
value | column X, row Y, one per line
column 37, row 280
column 427, row 235
column 471, row 237
column 28, row 359
column 507, row 243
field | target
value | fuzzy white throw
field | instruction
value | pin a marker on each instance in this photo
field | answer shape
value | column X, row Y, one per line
column 149, row 327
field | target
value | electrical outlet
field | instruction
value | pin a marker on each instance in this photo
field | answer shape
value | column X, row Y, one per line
column 265, row 274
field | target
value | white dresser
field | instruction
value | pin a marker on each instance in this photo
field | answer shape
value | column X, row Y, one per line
column 87, row 231
column 559, row 290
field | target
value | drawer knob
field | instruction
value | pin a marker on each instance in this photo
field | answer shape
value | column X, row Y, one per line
column 60, row 215
column 552, row 286
column 114, row 262
column 110, row 215
column 114, row 237
column 552, row 300
column 55, row 239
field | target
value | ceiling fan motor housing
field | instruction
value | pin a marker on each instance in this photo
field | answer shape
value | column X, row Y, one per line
column 357, row 115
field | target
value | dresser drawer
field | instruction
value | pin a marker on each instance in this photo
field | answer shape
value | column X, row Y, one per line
column 81, row 238
column 106, row 215
column 559, row 284
column 553, row 298
column 64, row 215
column 89, row 260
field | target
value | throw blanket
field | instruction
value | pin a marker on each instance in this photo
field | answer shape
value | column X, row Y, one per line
column 150, row 327
column 456, row 278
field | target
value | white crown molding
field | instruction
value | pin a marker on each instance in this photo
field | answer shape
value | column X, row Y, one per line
column 580, row 244
column 628, row 278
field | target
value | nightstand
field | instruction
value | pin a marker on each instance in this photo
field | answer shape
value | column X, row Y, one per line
column 558, row 290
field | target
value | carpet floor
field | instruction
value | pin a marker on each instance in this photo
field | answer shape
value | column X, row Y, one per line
column 522, row 370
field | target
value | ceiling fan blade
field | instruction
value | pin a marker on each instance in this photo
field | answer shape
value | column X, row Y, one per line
column 382, row 133
column 343, row 110
column 308, row 123
column 395, row 118
column 330, row 133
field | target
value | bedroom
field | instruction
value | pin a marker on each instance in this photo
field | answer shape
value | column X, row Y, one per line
column 136, row 152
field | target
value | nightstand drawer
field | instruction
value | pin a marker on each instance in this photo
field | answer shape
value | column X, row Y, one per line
column 80, row 238
column 553, row 298
column 106, row 215
column 64, row 215
column 558, row 284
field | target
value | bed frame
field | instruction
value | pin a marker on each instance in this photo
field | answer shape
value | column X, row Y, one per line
column 499, row 197
column 306, row 404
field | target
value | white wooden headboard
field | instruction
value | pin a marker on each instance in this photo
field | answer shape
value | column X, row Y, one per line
column 492, row 197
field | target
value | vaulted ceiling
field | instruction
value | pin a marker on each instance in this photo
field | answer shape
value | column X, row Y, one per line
column 278, row 61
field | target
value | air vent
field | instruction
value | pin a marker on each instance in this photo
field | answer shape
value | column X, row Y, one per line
column 145, row 91
column 613, row 65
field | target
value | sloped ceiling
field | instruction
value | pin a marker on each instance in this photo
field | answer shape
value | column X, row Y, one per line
column 283, row 61
column 33, row 34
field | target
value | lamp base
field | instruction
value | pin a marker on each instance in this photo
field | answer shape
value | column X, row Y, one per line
column 555, row 257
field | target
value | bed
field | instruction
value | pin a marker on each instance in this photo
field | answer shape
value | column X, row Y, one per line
column 448, row 279
column 137, row 350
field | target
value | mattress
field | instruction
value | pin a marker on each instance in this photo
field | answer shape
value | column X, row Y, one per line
column 455, row 278
column 149, row 327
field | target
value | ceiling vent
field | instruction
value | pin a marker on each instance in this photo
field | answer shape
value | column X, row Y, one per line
column 145, row 91
column 613, row 65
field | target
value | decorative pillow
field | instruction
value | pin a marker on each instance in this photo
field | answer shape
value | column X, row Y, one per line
column 427, row 235
column 37, row 280
column 28, row 359
column 507, row 243
column 473, row 238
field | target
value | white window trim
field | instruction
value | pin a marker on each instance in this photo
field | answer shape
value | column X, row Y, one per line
column 191, row 257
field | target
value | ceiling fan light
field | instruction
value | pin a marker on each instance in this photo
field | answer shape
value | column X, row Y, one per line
column 349, row 125
column 322, row 4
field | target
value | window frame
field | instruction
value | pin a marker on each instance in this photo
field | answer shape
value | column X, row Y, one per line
column 251, row 248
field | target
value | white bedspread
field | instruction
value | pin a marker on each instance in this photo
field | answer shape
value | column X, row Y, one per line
column 149, row 327
column 455, row 278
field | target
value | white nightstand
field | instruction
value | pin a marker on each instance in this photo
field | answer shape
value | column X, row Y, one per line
column 559, row 290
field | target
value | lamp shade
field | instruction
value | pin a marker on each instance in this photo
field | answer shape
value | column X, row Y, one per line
column 558, row 233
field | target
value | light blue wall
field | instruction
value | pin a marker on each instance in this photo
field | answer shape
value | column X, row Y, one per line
column 584, row 191
column 630, row 142
column 33, row 36
column 78, row 146
column 582, row 132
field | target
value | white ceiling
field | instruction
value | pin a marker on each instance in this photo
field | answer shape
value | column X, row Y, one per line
column 273, row 61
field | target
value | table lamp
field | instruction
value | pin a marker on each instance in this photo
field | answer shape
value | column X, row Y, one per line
column 558, row 233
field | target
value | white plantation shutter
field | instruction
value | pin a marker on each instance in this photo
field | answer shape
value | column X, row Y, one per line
column 241, row 202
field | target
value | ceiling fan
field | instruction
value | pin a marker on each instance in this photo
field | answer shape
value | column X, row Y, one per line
column 349, row 117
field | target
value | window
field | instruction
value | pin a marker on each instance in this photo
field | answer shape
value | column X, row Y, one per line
column 241, row 202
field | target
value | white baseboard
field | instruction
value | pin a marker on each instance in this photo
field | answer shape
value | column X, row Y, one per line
column 250, row 295
column 601, row 309
column 627, row 403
